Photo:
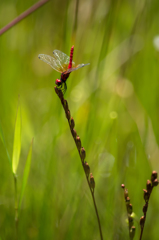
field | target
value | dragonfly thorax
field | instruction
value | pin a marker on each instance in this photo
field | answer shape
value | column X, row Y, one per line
column 64, row 76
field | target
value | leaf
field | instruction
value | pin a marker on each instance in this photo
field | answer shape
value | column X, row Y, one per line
column 26, row 173
column 4, row 143
column 17, row 142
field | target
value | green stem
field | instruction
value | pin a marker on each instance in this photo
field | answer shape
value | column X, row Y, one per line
column 16, row 206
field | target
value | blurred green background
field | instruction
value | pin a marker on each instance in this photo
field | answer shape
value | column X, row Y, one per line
column 114, row 102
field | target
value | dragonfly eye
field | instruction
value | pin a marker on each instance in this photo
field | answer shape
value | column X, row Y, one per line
column 58, row 82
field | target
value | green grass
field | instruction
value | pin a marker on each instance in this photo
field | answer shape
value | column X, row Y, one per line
column 114, row 102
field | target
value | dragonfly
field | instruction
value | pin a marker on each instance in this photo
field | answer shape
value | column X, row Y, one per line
column 63, row 64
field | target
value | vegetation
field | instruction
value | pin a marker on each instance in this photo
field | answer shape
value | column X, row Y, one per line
column 114, row 103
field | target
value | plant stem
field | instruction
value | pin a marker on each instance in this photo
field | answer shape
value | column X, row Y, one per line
column 141, row 233
column 96, row 210
column 92, row 191
column 74, row 135
column 23, row 15
column 16, row 206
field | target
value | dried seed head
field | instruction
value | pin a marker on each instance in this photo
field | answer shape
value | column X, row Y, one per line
column 132, row 232
column 92, row 182
column 129, row 208
column 122, row 186
column 68, row 114
column 59, row 92
column 153, row 176
column 130, row 219
column 142, row 221
column 83, row 153
column 155, row 183
column 127, row 200
column 126, row 193
column 78, row 142
column 66, row 105
column 56, row 90
column 86, row 168
column 148, row 186
column 145, row 208
column 74, row 133
column 146, row 195
column 72, row 123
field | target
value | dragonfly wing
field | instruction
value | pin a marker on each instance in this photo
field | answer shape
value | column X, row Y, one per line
column 52, row 61
column 63, row 59
column 77, row 67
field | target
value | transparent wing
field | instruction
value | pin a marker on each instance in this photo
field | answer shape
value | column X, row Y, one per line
column 63, row 59
column 77, row 67
column 52, row 61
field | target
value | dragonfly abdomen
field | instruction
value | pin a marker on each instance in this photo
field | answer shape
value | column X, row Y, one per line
column 71, row 57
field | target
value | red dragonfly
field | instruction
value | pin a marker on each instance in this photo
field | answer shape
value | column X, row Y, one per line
column 63, row 64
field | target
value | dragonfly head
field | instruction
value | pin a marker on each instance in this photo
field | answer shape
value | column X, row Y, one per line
column 58, row 82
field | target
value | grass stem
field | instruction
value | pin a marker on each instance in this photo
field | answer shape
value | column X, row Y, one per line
column 82, row 154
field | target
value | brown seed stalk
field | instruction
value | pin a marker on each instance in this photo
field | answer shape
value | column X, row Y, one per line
column 82, row 153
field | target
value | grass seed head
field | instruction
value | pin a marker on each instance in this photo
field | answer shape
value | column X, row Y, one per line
column 72, row 123
column 92, row 182
column 83, row 153
column 148, row 186
column 74, row 133
column 87, row 169
column 142, row 221
column 78, row 142
column 132, row 232
column 155, row 183
column 153, row 176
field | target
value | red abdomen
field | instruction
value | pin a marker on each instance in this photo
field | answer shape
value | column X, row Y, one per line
column 71, row 57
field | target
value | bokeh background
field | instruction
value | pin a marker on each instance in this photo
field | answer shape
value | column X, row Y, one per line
column 114, row 102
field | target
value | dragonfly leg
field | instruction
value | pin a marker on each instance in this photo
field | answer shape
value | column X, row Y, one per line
column 64, row 88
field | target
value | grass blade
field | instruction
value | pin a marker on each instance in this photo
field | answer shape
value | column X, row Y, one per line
column 17, row 142
column 26, row 173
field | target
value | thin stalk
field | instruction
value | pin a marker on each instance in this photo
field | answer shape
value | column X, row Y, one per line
column 16, row 206
column 23, row 15
column 96, row 210
column 141, row 233
column 91, row 190
column 82, row 154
